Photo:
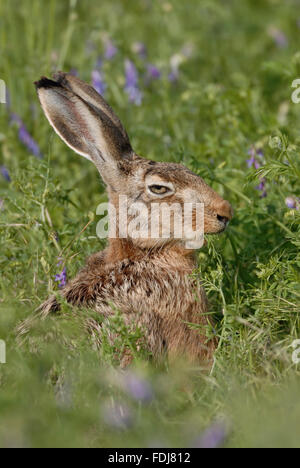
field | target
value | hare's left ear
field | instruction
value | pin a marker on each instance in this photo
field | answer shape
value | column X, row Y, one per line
column 84, row 121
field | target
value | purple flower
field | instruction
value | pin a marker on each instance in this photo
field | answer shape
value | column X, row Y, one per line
column 5, row 173
column 173, row 76
column 29, row 142
column 117, row 415
column 25, row 137
column 140, row 49
column 252, row 161
column 15, row 118
column 131, row 85
column 98, row 81
column 213, row 437
column 260, row 153
column 279, row 37
column 74, row 72
column 110, row 50
column 131, row 73
column 262, row 188
column 153, row 73
column 61, row 278
column 292, row 203
column 138, row 388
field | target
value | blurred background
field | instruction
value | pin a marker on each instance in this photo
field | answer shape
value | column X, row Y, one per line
column 204, row 83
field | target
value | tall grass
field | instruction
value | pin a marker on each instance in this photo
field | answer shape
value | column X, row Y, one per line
column 232, row 96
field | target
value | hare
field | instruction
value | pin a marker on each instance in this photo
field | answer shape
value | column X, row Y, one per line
column 148, row 280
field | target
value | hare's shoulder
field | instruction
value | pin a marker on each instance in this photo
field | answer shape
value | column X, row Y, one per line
column 129, row 283
column 136, row 275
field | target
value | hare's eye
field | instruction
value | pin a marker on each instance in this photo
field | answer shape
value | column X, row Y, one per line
column 159, row 189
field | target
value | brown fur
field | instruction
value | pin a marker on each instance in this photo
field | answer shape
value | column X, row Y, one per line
column 148, row 280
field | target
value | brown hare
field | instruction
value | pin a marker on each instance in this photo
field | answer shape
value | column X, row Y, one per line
column 147, row 279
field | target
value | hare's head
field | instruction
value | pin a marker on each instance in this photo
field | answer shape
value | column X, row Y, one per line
column 89, row 126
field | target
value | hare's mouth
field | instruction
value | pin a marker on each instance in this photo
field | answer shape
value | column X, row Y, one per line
column 223, row 222
column 216, row 225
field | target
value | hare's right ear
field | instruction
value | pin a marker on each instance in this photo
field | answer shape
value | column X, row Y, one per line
column 84, row 121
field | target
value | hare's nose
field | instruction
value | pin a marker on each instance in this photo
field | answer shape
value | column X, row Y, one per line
column 223, row 219
column 224, row 212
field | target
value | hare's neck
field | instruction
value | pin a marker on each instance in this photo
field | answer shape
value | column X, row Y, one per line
column 173, row 255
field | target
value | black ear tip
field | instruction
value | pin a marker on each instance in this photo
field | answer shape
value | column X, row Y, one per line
column 44, row 82
column 60, row 78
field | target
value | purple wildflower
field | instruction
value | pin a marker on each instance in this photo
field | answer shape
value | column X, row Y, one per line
column 279, row 37
column 15, row 118
column 213, row 437
column 25, row 137
column 29, row 142
column 110, row 50
column 153, row 73
column 131, row 85
column 74, row 72
column 117, row 415
column 252, row 161
column 260, row 153
column 5, row 173
column 173, row 76
column 140, row 49
column 131, row 73
column 262, row 188
column 138, row 388
column 61, row 278
column 292, row 203
column 98, row 81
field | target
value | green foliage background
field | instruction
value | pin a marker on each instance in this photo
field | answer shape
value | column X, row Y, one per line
column 234, row 91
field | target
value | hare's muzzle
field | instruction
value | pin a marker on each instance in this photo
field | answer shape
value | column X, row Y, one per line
column 224, row 213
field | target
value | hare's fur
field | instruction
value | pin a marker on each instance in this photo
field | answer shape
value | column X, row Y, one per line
column 150, row 281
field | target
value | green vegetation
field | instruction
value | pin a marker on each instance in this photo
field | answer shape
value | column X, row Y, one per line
column 229, row 94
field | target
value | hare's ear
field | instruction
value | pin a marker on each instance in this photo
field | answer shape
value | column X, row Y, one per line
column 90, row 95
column 84, row 121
